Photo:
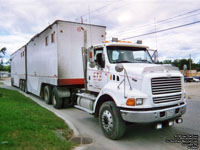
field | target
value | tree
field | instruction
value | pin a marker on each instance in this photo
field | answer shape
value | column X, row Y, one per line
column 3, row 51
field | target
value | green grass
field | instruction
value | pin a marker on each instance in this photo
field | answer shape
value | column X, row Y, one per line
column 24, row 125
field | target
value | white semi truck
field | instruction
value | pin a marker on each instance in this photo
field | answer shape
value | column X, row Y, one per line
column 71, row 64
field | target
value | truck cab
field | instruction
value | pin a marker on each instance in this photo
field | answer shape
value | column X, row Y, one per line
column 125, row 85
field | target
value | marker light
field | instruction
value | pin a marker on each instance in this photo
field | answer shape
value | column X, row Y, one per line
column 130, row 102
column 111, row 77
column 90, row 54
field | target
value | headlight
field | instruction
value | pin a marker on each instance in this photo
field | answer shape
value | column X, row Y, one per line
column 139, row 101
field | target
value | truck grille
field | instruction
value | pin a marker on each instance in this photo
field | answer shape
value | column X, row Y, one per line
column 165, row 85
column 165, row 99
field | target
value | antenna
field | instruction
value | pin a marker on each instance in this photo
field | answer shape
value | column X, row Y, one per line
column 90, row 24
column 155, row 33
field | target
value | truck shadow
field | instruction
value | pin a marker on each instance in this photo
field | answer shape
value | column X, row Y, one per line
column 142, row 132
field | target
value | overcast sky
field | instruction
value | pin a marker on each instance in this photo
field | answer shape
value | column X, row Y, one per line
column 22, row 19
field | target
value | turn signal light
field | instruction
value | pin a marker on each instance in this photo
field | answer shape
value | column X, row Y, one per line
column 111, row 77
column 130, row 102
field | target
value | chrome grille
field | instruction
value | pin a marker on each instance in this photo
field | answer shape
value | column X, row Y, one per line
column 166, row 85
column 165, row 99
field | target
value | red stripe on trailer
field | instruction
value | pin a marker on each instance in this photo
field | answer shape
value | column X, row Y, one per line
column 70, row 81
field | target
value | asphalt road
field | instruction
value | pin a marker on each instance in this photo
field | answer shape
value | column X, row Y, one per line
column 138, row 137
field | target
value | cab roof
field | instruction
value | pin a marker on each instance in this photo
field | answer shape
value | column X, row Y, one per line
column 122, row 44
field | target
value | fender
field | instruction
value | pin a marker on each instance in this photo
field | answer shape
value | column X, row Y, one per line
column 117, row 94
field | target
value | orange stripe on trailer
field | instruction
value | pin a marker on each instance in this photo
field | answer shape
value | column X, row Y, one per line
column 70, row 81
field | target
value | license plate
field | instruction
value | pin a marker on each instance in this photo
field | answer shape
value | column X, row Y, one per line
column 170, row 113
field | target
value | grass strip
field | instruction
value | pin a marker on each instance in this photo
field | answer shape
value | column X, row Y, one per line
column 24, row 125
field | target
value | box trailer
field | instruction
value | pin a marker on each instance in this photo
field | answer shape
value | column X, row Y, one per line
column 118, row 81
column 54, row 56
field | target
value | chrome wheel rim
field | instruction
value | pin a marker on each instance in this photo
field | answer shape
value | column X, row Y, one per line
column 107, row 121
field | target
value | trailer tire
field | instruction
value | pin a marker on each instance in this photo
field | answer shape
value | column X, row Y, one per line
column 23, row 85
column 20, row 84
column 47, row 94
column 12, row 82
column 56, row 100
column 111, row 121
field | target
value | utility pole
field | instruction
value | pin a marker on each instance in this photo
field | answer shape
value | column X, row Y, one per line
column 190, row 64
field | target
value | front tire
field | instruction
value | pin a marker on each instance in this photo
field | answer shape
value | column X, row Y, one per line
column 111, row 121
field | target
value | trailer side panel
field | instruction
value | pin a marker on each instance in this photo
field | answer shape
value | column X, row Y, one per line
column 42, row 66
column 18, row 66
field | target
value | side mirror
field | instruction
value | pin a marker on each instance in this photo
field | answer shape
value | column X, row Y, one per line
column 119, row 67
column 154, row 55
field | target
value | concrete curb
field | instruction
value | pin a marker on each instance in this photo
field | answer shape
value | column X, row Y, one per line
column 67, row 121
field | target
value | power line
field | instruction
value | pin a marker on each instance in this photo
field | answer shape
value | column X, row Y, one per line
column 158, row 22
column 104, row 6
column 161, row 30
column 164, row 22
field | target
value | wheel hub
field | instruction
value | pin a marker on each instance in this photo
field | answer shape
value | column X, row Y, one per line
column 107, row 120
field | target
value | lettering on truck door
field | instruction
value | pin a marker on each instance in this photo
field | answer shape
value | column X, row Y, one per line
column 98, row 74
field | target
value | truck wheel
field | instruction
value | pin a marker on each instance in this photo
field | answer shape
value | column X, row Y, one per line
column 47, row 94
column 23, row 85
column 56, row 100
column 12, row 82
column 111, row 121
column 20, row 84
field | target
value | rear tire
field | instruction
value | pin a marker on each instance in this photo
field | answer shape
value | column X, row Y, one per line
column 47, row 94
column 111, row 122
column 12, row 82
column 20, row 84
column 23, row 85
column 56, row 100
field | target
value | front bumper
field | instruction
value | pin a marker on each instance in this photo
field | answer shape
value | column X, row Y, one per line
column 146, row 116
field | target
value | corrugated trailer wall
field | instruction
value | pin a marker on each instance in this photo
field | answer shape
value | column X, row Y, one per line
column 70, row 41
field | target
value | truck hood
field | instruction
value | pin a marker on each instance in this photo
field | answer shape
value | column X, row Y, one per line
column 139, row 69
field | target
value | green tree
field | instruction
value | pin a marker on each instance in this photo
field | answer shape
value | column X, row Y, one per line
column 3, row 51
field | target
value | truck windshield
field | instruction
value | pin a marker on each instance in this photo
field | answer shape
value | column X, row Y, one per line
column 119, row 54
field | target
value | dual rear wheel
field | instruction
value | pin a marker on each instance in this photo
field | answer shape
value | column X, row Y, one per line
column 22, row 85
column 51, row 96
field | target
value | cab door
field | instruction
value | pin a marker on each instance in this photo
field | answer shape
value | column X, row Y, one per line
column 97, row 73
